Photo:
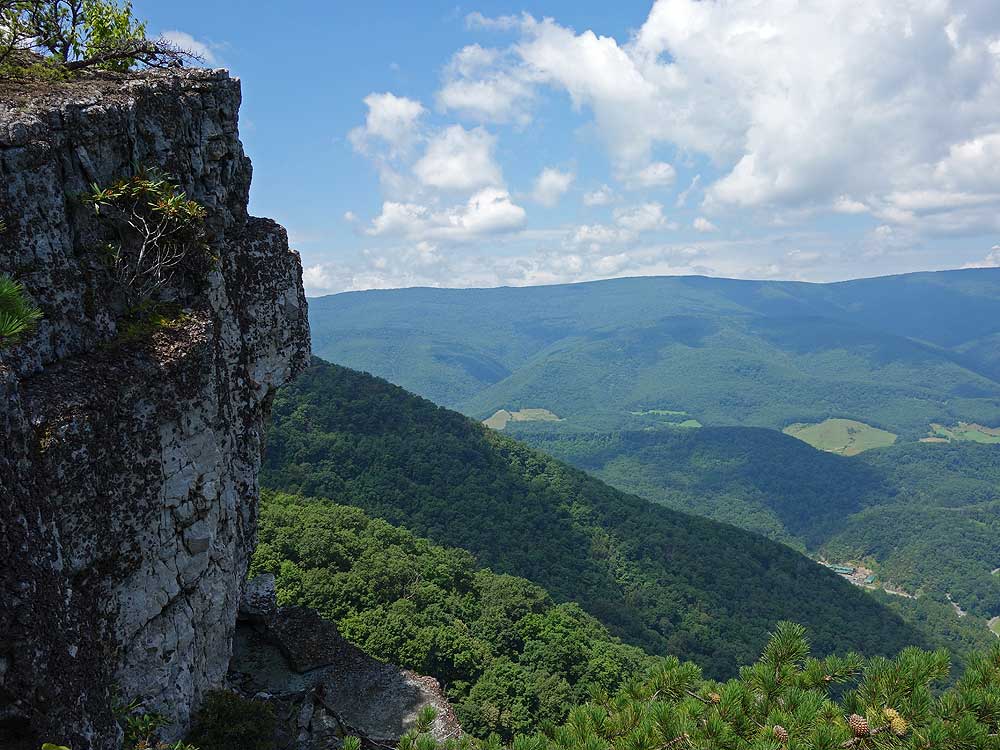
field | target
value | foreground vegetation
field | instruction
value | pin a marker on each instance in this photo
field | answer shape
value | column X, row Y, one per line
column 18, row 314
column 661, row 580
column 789, row 700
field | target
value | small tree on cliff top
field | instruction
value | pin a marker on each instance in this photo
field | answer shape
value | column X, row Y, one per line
column 71, row 35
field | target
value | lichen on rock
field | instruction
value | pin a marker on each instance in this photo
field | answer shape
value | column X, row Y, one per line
column 128, row 476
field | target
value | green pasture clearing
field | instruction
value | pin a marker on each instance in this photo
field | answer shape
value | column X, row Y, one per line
column 844, row 436
column 964, row 431
column 502, row 417
column 659, row 413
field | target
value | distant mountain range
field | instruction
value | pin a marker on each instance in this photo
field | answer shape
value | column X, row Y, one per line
column 899, row 353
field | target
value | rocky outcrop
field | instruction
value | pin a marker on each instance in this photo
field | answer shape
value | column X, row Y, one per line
column 128, row 474
column 324, row 687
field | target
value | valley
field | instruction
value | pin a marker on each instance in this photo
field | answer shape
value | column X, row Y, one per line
column 665, row 581
column 679, row 389
column 610, row 354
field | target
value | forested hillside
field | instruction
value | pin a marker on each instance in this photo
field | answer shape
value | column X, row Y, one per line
column 659, row 579
column 926, row 514
column 898, row 353
column 515, row 663
column 509, row 657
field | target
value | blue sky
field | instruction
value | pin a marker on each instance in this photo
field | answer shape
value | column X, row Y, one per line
column 428, row 143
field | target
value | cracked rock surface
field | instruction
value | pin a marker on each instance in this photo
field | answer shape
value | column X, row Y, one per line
column 128, row 474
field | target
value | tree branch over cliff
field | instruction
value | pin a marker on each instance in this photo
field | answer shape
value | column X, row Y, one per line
column 67, row 36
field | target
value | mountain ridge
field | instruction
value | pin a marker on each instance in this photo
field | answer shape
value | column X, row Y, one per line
column 898, row 352
column 647, row 572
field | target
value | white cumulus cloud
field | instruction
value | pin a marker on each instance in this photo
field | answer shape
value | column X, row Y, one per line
column 487, row 85
column 642, row 218
column 602, row 196
column 459, row 159
column 701, row 224
column 488, row 212
column 393, row 120
column 992, row 260
column 550, row 185
column 656, row 174
column 799, row 103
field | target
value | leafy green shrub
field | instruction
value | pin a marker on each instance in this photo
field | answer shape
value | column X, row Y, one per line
column 227, row 721
column 18, row 315
column 160, row 231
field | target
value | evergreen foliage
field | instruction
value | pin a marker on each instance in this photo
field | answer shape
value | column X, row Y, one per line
column 18, row 315
column 159, row 234
column 662, row 580
column 787, row 699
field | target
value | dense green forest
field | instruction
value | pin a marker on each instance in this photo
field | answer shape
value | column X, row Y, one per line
column 897, row 353
column 516, row 665
column 926, row 515
column 508, row 656
column 662, row 580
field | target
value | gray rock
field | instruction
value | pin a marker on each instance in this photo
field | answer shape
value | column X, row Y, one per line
column 128, row 474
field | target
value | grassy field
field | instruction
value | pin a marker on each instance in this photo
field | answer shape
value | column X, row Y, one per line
column 844, row 436
column 659, row 413
column 975, row 433
column 669, row 417
column 503, row 417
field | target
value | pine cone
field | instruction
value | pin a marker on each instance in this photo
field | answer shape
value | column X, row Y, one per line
column 858, row 725
column 715, row 697
column 781, row 734
column 897, row 723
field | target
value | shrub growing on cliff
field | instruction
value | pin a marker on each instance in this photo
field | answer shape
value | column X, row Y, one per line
column 160, row 234
column 70, row 35
column 18, row 314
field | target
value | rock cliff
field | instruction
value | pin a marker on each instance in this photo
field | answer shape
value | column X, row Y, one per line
column 128, row 474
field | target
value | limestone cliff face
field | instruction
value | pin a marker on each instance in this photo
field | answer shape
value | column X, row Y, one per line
column 128, row 468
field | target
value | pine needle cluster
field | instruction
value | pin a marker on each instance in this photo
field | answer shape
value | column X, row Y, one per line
column 18, row 314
